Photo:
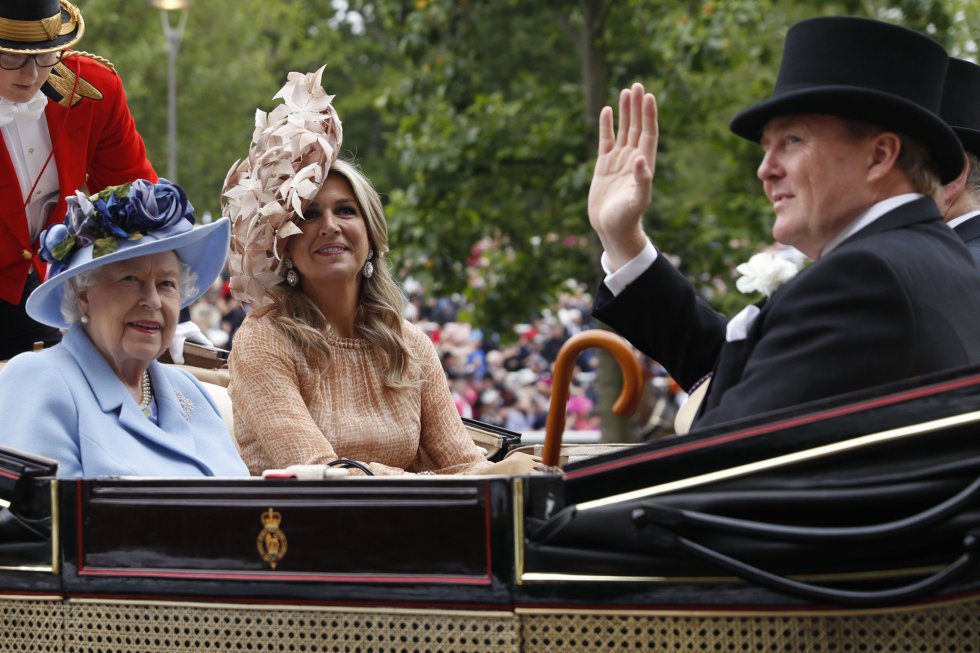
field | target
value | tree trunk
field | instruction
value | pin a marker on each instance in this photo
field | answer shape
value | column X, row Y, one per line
column 609, row 384
column 595, row 88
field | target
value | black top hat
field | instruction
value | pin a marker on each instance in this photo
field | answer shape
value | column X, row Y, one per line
column 961, row 103
column 866, row 70
column 35, row 26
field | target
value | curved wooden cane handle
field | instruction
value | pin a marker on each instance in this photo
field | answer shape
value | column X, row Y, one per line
column 629, row 396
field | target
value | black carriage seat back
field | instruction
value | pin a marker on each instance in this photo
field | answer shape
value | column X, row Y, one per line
column 923, row 405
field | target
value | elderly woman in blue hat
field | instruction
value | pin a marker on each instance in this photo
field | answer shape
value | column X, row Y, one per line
column 123, row 264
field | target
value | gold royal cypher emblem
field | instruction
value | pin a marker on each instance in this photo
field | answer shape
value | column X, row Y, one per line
column 271, row 542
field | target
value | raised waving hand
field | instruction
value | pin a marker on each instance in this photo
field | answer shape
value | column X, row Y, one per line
column 621, row 183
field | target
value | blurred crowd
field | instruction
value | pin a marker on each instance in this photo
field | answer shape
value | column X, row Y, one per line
column 504, row 381
column 509, row 384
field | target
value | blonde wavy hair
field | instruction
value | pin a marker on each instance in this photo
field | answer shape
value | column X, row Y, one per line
column 379, row 317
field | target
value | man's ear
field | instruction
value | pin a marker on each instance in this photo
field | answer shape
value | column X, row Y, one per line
column 951, row 192
column 885, row 149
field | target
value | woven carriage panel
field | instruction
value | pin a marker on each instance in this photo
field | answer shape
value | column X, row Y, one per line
column 31, row 626
column 164, row 628
column 945, row 629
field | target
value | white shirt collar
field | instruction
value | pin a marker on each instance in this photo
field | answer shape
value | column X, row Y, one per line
column 33, row 108
column 955, row 222
column 868, row 216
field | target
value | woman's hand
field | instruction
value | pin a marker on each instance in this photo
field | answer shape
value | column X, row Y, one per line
column 516, row 464
column 621, row 183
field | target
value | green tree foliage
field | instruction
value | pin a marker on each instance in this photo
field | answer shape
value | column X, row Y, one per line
column 476, row 118
column 234, row 56
column 496, row 173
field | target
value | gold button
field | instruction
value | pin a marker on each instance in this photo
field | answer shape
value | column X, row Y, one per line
column 30, row 150
column 27, row 254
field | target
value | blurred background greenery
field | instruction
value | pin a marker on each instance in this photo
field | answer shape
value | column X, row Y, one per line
column 476, row 118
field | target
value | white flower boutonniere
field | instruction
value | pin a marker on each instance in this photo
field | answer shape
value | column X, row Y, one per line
column 764, row 273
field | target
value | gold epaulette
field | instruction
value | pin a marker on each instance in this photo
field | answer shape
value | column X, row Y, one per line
column 81, row 53
column 62, row 83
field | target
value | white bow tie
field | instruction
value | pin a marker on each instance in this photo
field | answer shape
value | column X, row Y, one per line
column 33, row 108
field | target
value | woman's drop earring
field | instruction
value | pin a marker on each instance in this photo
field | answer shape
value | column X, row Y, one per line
column 292, row 276
column 368, row 269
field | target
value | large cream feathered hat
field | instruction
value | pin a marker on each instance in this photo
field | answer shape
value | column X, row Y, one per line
column 291, row 153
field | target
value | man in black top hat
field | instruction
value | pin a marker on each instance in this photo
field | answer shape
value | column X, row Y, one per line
column 853, row 148
column 960, row 199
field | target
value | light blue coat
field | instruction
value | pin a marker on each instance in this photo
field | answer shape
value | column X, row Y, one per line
column 66, row 403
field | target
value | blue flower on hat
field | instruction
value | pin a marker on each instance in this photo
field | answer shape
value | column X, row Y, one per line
column 53, row 240
column 158, row 206
column 124, row 212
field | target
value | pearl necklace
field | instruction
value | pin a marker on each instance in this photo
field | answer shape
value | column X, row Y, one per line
column 147, row 392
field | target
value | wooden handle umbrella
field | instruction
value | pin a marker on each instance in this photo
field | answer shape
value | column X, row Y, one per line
column 629, row 396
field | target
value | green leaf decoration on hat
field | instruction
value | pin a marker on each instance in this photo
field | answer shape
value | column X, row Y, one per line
column 62, row 249
column 103, row 246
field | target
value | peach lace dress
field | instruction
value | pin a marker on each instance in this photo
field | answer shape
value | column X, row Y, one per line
column 288, row 411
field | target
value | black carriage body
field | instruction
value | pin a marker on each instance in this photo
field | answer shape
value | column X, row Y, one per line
column 29, row 553
column 864, row 493
column 517, row 555
column 372, row 541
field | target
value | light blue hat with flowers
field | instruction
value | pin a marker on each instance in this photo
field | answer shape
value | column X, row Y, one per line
column 124, row 222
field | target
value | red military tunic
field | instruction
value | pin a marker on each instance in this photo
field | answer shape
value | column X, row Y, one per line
column 95, row 145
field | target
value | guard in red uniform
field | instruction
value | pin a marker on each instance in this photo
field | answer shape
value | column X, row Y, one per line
column 65, row 125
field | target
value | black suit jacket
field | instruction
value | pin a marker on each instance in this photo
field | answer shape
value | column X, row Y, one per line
column 898, row 299
column 969, row 233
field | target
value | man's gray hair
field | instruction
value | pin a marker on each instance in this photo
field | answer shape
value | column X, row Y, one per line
column 973, row 176
column 914, row 158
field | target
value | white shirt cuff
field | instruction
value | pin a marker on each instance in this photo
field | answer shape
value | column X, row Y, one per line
column 630, row 272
